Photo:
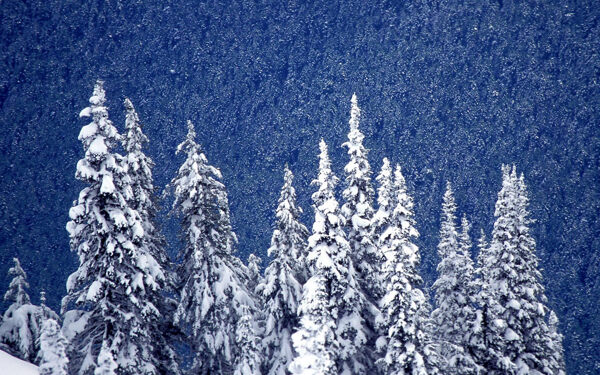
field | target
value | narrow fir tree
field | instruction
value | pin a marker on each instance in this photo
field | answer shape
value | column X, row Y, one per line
column 358, row 208
column 19, row 329
column 332, row 336
column 383, row 216
column 281, row 289
column 455, row 317
column 53, row 350
column 405, row 321
column 116, row 269
column 16, row 293
column 254, row 276
column 213, row 284
column 144, row 201
column 246, row 336
column 517, row 333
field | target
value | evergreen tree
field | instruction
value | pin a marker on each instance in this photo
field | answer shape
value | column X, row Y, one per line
column 254, row 276
column 116, row 269
column 281, row 289
column 332, row 336
column 455, row 317
column 405, row 345
column 16, row 292
column 358, row 208
column 517, row 334
column 143, row 200
column 20, row 326
column 53, row 350
column 382, row 218
column 249, row 360
column 213, row 280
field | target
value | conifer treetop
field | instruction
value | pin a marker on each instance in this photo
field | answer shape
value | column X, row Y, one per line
column 135, row 138
column 17, row 289
column 326, row 180
column 385, row 197
column 448, row 233
column 354, row 113
column 189, row 145
column 99, row 136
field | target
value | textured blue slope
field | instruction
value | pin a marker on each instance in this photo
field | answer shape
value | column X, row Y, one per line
column 449, row 89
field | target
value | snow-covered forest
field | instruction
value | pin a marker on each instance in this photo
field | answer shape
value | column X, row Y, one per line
column 342, row 295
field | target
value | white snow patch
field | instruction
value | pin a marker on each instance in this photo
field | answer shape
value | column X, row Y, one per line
column 86, row 112
column 14, row 366
column 98, row 147
column 108, row 187
column 93, row 290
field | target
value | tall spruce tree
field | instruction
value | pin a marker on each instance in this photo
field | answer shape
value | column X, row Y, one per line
column 213, row 280
column 53, row 350
column 358, row 208
column 455, row 317
column 332, row 336
column 517, row 333
column 144, row 201
column 116, row 269
column 405, row 345
column 281, row 288
column 382, row 218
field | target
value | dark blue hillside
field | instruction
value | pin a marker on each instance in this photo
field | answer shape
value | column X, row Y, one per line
column 449, row 89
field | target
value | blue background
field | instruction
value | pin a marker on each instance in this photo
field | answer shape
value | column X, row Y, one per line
column 448, row 89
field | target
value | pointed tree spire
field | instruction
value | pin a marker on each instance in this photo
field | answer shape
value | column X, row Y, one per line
column 213, row 280
column 455, row 317
column 404, row 346
column 281, row 288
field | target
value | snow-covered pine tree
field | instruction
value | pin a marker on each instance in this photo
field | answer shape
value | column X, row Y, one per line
column 16, row 293
column 281, row 288
column 455, row 318
column 116, row 269
column 250, row 358
column 382, row 218
column 53, row 350
column 517, row 333
column 332, row 336
column 357, row 209
column 405, row 346
column 213, row 284
column 144, row 201
column 254, row 276
column 19, row 326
